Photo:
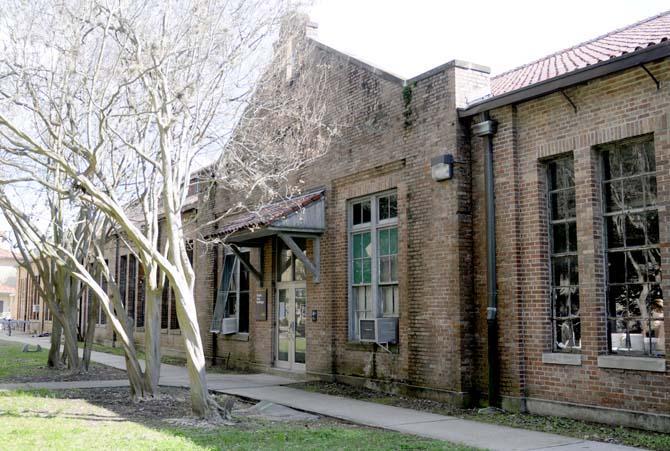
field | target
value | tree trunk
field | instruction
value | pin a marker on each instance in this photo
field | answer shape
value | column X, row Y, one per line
column 188, row 322
column 152, row 345
column 91, row 320
column 54, row 351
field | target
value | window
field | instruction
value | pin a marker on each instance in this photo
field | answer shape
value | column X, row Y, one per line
column 563, row 250
column 231, row 311
column 634, row 295
column 373, row 253
column 140, row 296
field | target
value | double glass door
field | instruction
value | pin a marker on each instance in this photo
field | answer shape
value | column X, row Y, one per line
column 291, row 319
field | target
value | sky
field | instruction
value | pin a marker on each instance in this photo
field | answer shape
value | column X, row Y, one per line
column 410, row 37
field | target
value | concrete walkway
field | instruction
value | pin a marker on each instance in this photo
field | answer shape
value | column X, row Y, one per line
column 266, row 387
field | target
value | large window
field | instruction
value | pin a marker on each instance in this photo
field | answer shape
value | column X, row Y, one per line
column 564, row 266
column 373, row 253
column 635, row 298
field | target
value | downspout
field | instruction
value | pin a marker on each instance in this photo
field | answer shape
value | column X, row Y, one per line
column 486, row 128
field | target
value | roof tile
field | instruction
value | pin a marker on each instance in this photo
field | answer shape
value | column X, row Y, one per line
column 651, row 31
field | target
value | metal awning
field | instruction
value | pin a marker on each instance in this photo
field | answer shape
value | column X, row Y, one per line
column 302, row 216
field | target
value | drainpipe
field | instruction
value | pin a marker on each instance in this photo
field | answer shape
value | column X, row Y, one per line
column 486, row 128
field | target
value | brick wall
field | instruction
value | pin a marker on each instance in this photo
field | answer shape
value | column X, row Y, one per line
column 608, row 109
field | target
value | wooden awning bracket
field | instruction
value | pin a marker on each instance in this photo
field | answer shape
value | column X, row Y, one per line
column 312, row 267
column 244, row 259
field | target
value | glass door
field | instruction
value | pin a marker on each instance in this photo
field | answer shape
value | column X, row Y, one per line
column 291, row 319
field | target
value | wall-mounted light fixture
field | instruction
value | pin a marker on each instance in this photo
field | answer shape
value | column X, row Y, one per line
column 442, row 167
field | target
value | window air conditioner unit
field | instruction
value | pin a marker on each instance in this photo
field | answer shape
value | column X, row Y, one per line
column 379, row 330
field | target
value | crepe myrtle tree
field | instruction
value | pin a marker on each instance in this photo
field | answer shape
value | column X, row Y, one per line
column 66, row 258
column 156, row 88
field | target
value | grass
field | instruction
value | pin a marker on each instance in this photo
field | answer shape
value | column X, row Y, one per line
column 40, row 420
column 16, row 363
column 168, row 360
column 555, row 425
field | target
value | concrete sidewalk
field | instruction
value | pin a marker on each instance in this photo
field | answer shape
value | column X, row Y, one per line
column 266, row 387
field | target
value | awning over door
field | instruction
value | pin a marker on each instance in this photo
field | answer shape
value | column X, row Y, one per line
column 304, row 214
column 300, row 216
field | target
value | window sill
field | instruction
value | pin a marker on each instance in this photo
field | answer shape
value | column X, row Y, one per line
column 622, row 362
column 174, row 332
column 242, row 336
column 561, row 358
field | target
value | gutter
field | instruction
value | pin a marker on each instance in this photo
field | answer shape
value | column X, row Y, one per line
column 486, row 129
column 618, row 64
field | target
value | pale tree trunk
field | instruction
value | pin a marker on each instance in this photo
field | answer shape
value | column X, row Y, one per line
column 152, row 331
column 188, row 323
column 91, row 320
column 54, row 352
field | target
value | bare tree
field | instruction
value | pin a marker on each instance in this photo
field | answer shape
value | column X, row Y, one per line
column 126, row 98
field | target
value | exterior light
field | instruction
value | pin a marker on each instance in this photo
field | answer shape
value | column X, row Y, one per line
column 442, row 167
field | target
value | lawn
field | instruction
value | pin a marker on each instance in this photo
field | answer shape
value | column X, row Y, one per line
column 18, row 366
column 44, row 420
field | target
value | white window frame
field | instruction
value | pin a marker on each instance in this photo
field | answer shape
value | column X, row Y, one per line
column 373, row 227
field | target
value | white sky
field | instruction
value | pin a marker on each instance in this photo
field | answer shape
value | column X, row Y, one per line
column 410, row 37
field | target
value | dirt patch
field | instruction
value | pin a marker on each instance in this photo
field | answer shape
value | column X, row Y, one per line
column 173, row 407
column 96, row 372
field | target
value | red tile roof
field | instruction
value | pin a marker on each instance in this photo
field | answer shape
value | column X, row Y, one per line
column 645, row 33
column 270, row 213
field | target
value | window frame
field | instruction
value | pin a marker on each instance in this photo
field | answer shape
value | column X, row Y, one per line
column 625, row 248
column 373, row 227
column 551, row 221
column 237, row 273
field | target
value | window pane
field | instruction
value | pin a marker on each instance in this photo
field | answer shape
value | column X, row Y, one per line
column 652, row 227
column 561, row 302
column 367, row 270
column 635, row 229
column 361, row 212
column 366, row 214
column 614, row 196
column 572, row 236
column 366, row 243
column 393, row 240
column 358, row 271
column 393, row 206
column 615, row 229
column 384, row 270
column 650, row 190
column 568, row 334
column 383, row 243
column 559, row 238
column 383, row 208
column 561, row 270
column 244, row 313
column 633, row 193
column 389, row 298
column 394, row 268
column 357, row 246
column 616, row 266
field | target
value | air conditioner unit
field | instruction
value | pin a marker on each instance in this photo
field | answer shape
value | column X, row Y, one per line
column 379, row 330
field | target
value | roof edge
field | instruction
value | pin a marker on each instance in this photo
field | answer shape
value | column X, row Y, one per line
column 549, row 86
column 386, row 75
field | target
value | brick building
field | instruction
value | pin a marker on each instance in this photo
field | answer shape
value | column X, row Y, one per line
column 468, row 236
